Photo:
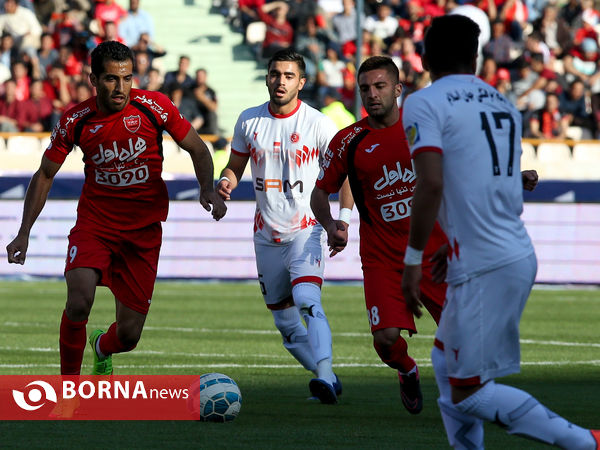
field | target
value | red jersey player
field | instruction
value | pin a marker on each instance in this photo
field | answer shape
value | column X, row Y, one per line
column 117, row 236
column 373, row 154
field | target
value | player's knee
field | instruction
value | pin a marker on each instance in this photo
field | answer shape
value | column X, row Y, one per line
column 307, row 298
column 385, row 338
column 389, row 345
column 128, row 336
column 78, row 306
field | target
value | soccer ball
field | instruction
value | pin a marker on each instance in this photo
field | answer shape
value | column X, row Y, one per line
column 220, row 398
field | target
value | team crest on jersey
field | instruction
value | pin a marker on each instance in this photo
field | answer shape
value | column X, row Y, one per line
column 295, row 137
column 412, row 133
column 132, row 123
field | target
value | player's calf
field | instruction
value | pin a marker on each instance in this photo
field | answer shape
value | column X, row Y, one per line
column 521, row 414
column 295, row 336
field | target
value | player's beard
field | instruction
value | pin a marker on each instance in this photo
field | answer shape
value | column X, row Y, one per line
column 285, row 100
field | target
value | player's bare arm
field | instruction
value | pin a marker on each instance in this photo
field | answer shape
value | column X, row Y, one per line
column 337, row 231
column 35, row 199
column 231, row 175
column 203, row 166
column 425, row 206
column 530, row 179
column 346, row 201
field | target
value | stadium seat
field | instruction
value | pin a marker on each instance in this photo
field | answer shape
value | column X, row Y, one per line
column 256, row 32
column 28, row 145
column 74, row 162
column 170, row 147
column 578, row 133
column 554, row 161
column 176, row 161
column 528, row 157
column 20, row 154
column 586, row 158
column 44, row 142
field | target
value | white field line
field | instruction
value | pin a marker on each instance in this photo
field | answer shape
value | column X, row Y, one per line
column 280, row 366
column 275, row 332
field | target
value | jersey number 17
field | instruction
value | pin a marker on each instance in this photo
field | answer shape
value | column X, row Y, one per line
column 498, row 118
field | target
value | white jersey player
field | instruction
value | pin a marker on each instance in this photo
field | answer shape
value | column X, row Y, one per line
column 465, row 139
column 283, row 151
column 284, row 139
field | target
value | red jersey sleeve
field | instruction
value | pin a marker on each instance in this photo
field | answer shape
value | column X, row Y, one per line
column 173, row 121
column 61, row 139
column 334, row 168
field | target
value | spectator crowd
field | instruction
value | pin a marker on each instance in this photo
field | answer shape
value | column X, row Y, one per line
column 45, row 50
column 542, row 54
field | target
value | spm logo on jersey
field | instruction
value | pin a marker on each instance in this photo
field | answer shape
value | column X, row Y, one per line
column 264, row 184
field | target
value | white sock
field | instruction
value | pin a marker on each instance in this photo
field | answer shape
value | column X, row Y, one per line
column 98, row 352
column 325, row 371
column 307, row 297
column 523, row 415
column 464, row 431
column 413, row 370
column 295, row 336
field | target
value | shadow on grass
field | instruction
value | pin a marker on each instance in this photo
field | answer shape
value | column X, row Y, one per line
column 276, row 414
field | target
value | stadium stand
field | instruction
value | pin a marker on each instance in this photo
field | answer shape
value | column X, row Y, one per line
column 208, row 31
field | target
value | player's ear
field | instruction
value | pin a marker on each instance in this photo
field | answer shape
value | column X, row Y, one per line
column 94, row 79
column 398, row 89
column 301, row 83
column 267, row 79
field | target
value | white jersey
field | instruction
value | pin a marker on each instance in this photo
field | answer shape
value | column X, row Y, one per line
column 284, row 153
column 478, row 132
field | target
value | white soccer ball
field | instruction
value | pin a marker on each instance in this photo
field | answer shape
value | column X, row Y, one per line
column 220, row 398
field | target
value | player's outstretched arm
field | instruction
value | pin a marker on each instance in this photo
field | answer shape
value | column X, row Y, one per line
column 231, row 175
column 35, row 199
column 530, row 179
column 337, row 231
column 203, row 166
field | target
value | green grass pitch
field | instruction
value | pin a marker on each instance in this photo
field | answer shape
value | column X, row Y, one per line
column 194, row 328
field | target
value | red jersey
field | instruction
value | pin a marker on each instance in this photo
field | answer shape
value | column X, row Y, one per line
column 123, row 157
column 382, row 177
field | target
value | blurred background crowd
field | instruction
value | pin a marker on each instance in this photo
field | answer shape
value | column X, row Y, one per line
column 45, row 61
column 542, row 54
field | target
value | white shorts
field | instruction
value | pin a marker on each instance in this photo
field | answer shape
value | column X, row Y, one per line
column 480, row 323
column 282, row 265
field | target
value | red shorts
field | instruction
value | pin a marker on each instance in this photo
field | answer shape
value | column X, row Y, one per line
column 127, row 260
column 385, row 303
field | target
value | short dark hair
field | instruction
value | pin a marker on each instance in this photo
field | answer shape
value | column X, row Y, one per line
column 289, row 54
column 451, row 43
column 109, row 51
column 380, row 62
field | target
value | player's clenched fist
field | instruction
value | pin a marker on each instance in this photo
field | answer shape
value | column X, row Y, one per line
column 337, row 236
column 17, row 250
column 218, row 204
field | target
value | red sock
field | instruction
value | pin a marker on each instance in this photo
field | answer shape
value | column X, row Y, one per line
column 396, row 356
column 72, row 344
column 110, row 343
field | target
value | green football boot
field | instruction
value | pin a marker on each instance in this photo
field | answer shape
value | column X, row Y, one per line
column 102, row 366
